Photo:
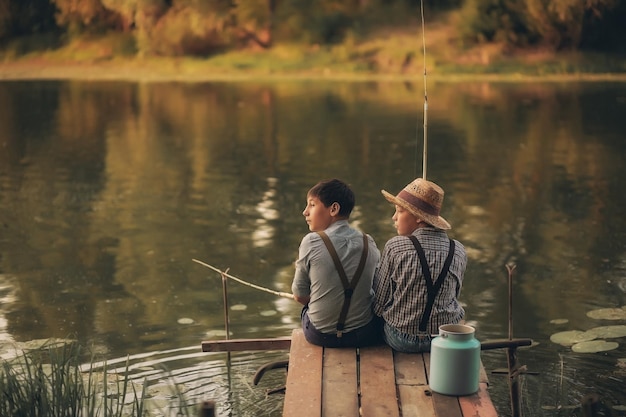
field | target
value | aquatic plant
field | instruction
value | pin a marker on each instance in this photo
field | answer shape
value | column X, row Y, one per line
column 615, row 313
column 50, row 383
column 587, row 341
column 594, row 346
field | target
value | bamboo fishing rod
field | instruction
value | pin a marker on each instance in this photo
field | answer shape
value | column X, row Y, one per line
column 241, row 281
column 425, row 149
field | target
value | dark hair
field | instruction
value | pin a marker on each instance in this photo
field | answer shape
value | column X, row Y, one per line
column 334, row 191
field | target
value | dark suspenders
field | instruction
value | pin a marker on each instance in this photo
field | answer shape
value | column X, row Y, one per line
column 432, row 288
column 348, row 287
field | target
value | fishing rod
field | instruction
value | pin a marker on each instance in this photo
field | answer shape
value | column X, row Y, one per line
column 425, row 149
column 241, row 281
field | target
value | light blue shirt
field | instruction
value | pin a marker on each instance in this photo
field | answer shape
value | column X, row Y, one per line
column 317, row 277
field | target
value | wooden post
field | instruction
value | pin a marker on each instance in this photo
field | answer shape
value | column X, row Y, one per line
column 226, row 317
column 590, row 405
column 514, row 390
column 207, row 409
column 225, row 297
column 227, row 326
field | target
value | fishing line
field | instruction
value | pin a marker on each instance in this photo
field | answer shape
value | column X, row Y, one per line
column 425, row 149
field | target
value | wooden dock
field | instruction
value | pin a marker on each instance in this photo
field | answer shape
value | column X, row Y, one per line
column 370, row 382
column 365, row 382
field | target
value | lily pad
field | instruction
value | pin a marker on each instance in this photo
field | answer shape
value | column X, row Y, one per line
column 559, row 321
column 608, row 314
column 267, row 313
column 185, row 320
column 571, row 337
column 608, row 332
column 559, row 407
column 216, row 333
column 50, row 343
column 239, row 307
column 593, row 346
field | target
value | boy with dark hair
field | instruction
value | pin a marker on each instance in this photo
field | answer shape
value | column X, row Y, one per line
column 334, row 272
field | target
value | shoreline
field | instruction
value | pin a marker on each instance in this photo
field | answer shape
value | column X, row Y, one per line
column 133, row 71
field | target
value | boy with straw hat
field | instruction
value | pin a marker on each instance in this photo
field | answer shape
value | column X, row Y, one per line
column 421, row 270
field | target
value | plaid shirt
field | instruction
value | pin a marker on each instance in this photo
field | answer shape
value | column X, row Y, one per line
column 400, row 288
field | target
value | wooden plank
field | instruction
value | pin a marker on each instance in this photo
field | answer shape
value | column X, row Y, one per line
column 426, row 356
column 323, row 383
column 482, row 378
column 446, row 405
column 479, row 404
column 377, row 382
column 238, row 345
column 339, row 386
column 303, row 390
column 415, row 398
column 410, row 368
column 505, row 343
column 459, row 406
column 416, row 401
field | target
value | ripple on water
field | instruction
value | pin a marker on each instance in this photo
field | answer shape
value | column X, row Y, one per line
column 186, row 375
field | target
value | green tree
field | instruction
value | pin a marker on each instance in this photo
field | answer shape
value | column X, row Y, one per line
column 557, row 24
column 319, row 22
column 560, row 23
column 139, row 17
column 26, row 17
column 78, row 16
column 494, row 21
column 188, row 27
column 5, row 18
column 126, row 9
column 255, row 21
column 606, row 32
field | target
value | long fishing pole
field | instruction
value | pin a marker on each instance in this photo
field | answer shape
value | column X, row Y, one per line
column 241, row 281
column 425, row 150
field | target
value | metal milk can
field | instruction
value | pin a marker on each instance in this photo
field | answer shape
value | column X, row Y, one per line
column 454, row 360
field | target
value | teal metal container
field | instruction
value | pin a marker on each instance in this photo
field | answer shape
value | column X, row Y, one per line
column 454, row 360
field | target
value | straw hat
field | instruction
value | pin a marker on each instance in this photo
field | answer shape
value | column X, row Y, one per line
column 423, row 199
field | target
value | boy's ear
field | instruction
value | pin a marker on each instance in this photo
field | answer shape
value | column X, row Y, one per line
column 334, row 209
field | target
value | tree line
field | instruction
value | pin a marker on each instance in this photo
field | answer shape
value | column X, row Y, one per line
column 206, row 27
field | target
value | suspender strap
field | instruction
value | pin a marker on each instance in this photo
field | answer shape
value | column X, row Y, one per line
column 432, row 288
column 348, row 287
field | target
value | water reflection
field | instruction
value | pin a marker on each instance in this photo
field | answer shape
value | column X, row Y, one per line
column 108, row 190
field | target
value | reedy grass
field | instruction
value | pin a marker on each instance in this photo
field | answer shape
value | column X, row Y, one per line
column 50, row 383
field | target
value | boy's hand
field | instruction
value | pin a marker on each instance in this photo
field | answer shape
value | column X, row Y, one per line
column 302, row 300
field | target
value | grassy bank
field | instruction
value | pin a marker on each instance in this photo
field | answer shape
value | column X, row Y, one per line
column 392, row 53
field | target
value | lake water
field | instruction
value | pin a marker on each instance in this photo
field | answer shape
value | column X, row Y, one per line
column 108, row 190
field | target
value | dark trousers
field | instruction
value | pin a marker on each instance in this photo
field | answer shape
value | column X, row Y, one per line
column 368, row 335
